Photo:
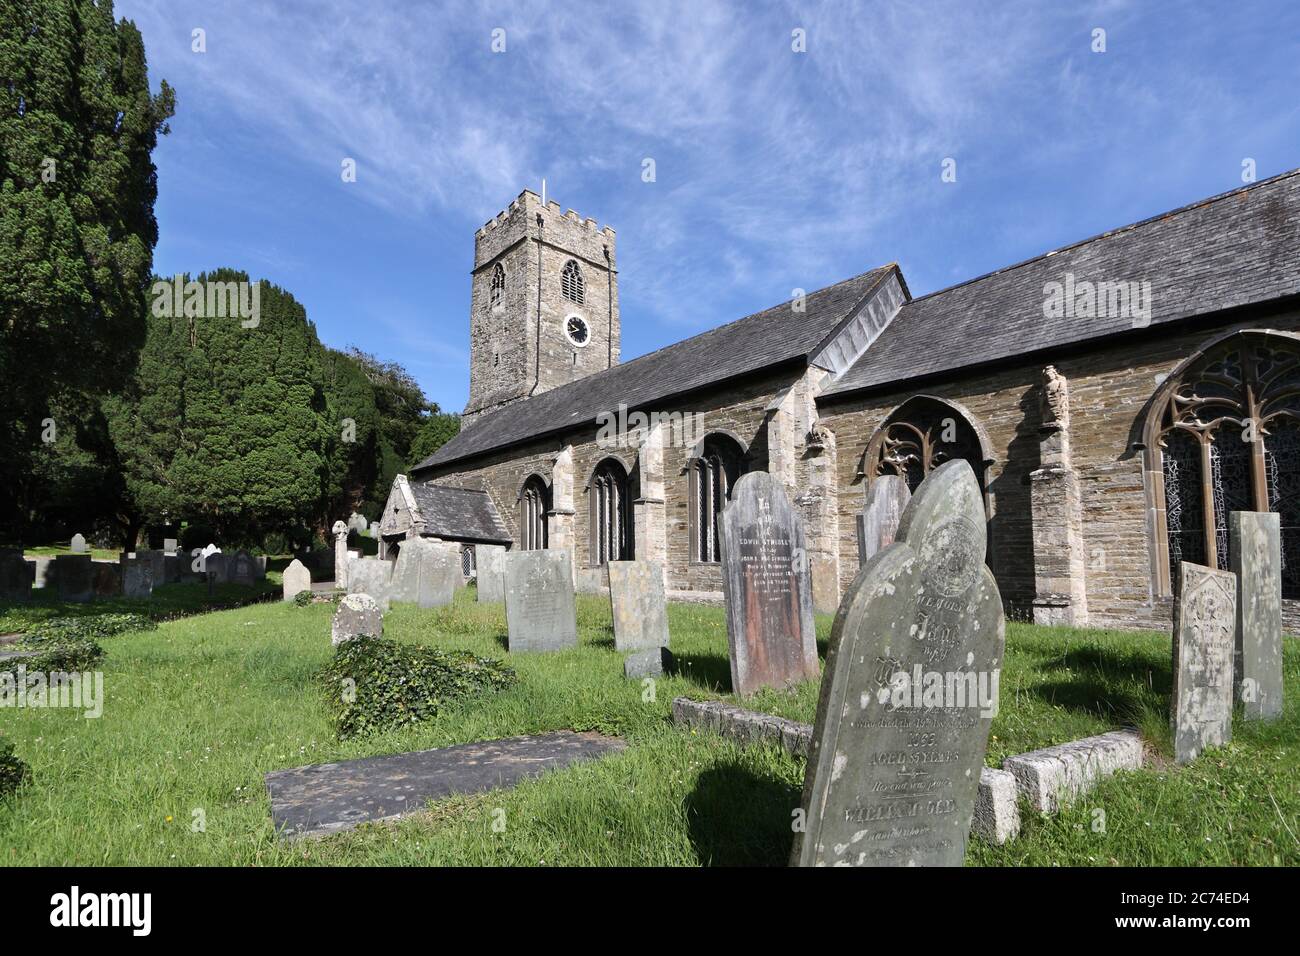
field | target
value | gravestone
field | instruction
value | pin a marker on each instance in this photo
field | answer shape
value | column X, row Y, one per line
column 296, row 579
column 1205, row 620
column 910, row 692
column 340, row 555
column 78, row 544
column 158, row 560
column 43, row 572
column 1257, row 562
column 541, row 614
column 75, row 577
column 425, row 574
column 490, row 560
column 15, row 576
column 217, row 566
column 173, row 567
column 636, row 597
column 359, row 615
column 243, row 569
column 170, row 545
column 647, row 662
column 108, row 579
column 766, row 585
column 371, row 576
column 878, row 522
column 137, row 578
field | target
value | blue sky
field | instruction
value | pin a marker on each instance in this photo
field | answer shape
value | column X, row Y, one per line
column 775, row 170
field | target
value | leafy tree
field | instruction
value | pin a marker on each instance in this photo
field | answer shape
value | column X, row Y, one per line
column 78, row 125
column 438, row 429
column 354, row 460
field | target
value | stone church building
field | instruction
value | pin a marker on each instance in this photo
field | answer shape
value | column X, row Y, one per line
column 1117, row 398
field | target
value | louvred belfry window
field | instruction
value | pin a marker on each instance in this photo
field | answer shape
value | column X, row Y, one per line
column 498, row 283
column 571, row 283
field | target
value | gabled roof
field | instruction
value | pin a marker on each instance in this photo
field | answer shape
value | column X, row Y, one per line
column 746, row 345
column 1239, row 248
column 461, row 514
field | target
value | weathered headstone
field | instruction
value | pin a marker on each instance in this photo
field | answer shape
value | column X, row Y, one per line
column 43, row 572
column 158, row 560
column 217, row 566
column 490, row 560
column 15, row 576
column 244, row 569
column 910, row 692
column 767, row 589
column 173, row 567
column 108, row 579
column 541, row 613
column 296, row 579
column 425, row 574
column 340, row 555
column 137, row 578
column 371, row 576
column 358, row 523
column 358, row 615
column 636, row 597
column 1205, row 620
column 78, row 544
column 75, row 577
column 1257, row 562
column 647, row 662
column 878, row 522
column 170, row 545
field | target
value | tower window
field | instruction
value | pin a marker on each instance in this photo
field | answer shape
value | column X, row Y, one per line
column 571, row 283
column 498, row 284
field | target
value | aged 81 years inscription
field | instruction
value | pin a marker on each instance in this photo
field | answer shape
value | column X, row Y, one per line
column 910, row 690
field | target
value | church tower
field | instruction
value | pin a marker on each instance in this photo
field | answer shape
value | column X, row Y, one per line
column 544, row 303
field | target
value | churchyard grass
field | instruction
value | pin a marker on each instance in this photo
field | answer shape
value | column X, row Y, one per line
column 168, row 601
column 198, row 710
column 54, row 550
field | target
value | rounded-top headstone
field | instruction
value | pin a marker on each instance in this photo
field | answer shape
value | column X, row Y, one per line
column 358, row 616
column 78, row 544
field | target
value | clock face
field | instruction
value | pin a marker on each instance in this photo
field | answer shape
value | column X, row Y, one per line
column 575, row 327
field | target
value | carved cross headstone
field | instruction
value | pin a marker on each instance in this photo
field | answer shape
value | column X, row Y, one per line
column 910, row 692
column 766, row 584
column 1205, row 620
column 878, row 522
column 1257, row 562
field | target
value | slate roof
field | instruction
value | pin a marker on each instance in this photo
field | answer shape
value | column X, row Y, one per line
column 459, row 513
column 1238, row 248
column 746, row 345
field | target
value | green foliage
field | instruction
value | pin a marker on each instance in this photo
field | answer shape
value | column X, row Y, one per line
column 13, row 772
column 397, row 684
column 60, row 630
column 438, row 429
column 302, row 599
column 78, row 125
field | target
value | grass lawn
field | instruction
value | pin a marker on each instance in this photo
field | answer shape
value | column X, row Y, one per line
column 198, row 710
column 54, row 550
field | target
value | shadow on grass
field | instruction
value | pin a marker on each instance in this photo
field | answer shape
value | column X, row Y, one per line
column 737, row 818
column 706, row 671
column 1115, row 685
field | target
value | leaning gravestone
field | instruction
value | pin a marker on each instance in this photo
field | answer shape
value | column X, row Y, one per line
column 358, row 615
column 78, row 544
column 296, row 579
column 540, row 611
column 878, row 522
column 1205, row 618
column 1257, row 562
column 425, row 574
column 910, row 692
column 767, row 589
column 137, row 578
column 489, row 560
column 371, row 576
column 15, row 576
column 75, row 576
column 636, row 596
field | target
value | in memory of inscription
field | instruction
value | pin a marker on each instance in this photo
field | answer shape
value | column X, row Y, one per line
column 911, row 688
column 1205, row 620
column 765, row 580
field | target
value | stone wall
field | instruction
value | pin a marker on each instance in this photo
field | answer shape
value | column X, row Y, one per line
column 1109, row 389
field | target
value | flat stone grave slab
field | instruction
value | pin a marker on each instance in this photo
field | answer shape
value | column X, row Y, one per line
column 330, row 797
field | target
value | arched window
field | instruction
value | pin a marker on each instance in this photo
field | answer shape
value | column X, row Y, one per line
column 498, row 283
column 534, row 502
column 572, row 284
column 713, row 474
column 1223, row 435
column 611, row 514
column 918, row 437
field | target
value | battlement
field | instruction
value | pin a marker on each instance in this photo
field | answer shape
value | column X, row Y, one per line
column 528, row 201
